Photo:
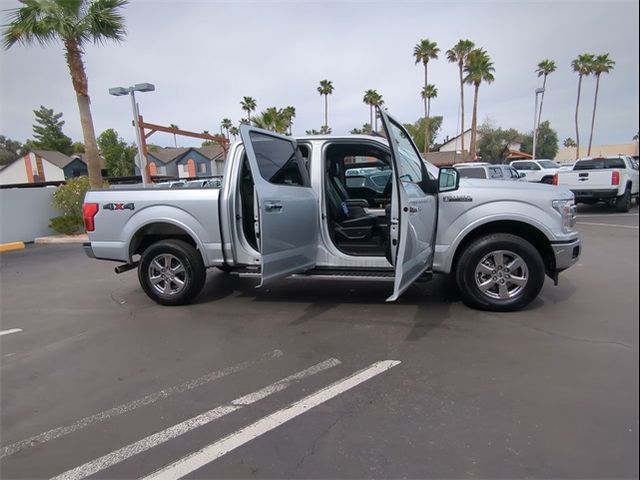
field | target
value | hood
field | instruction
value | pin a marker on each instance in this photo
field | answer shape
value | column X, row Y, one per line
column 515, row 189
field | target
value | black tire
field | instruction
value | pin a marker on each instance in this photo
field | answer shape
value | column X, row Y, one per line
column 623, row 202
column 512, row 246
column 191, row 275
column 547, row 180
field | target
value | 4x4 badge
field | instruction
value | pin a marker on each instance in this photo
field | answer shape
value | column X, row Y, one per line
column 119, row 206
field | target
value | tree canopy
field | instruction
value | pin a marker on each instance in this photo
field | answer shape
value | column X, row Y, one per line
column 47, row 132
column 10, row 150
column 546, row 142
column 416, row 130
column 118, row 155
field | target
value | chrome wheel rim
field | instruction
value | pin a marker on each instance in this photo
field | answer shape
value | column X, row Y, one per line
column 501, row 275
column 167, row 274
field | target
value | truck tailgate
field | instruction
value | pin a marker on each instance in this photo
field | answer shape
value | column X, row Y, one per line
column 587, row 179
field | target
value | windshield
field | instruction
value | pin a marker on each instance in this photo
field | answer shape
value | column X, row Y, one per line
column 599, row 163
column 548, row 164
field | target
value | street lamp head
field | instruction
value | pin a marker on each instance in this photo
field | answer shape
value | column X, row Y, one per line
column 144, row 87
column 118, row 91
column 539, row 90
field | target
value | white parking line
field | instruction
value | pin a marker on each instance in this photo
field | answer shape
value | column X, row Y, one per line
column 7, row 332
column 192, row 462
column 156, row 439
column 608, row 225
column 127, row 407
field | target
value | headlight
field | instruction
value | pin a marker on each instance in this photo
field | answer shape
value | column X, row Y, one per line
column 568, row 212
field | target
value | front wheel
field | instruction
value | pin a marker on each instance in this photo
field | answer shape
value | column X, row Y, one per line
column 171, row 272
column 500, row 272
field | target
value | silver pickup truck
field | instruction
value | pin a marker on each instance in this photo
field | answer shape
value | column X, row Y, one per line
column 356, row 207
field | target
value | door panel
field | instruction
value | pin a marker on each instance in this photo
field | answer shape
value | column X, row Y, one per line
column 286, row 208
column 413, row 211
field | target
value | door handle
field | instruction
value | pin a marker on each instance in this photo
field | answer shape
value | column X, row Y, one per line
column 273, row 206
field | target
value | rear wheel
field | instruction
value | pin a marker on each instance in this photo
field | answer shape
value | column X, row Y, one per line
column 623, row 202
column 547, row 180
column 171, row 272
column 500, row 272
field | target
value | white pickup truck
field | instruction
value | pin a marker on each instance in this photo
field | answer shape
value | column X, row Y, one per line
column 611, row 179
column 351, row 207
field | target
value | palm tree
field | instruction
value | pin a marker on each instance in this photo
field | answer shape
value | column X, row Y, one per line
column 226, row 124
column 175, row 142
column 234, row 131
column 458, row 54
column 545, row 67
column 424, row 51
column 582, row 66
column 289, row 113
column 326, row 89
column 479, row 68
column 369, row 99
column 274, row 119
column 601, row 64
column 428, row 93
column 377, row 102
column 74, row 24
column 248, row 104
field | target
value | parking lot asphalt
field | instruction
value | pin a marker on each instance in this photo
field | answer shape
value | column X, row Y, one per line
column 96, row 380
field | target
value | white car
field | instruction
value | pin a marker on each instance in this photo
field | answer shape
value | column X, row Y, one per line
column 488, row 170
column 539, row 170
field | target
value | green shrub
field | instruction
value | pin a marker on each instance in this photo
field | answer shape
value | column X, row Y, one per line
column 67, row 224
column 69, row 197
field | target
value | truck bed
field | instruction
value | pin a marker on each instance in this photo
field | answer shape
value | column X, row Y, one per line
column 122, row 213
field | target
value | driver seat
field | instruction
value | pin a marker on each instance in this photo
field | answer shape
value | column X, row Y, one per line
column 349, row 218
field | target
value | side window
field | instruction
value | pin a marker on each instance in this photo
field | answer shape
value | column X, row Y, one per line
column 514, row 173
column 279, row 161
column 472, row 172
column 409, row 164
column 535, row 166
column 495, row 172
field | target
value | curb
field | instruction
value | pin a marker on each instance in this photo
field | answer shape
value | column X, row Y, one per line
column 8, row 247
column 62, row 239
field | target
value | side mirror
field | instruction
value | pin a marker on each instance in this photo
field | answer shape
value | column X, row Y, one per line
column 448, row 179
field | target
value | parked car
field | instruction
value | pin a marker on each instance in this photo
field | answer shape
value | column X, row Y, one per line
column 539, row 170
column 171, row 184
column 611, row 179
column 273, row 218
column 488, row 170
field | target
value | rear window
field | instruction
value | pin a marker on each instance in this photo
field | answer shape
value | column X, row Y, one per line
column 599, row 163
column 470, row 172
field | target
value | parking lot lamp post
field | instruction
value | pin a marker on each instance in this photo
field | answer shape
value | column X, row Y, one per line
column 535, row 123
column 138, row 87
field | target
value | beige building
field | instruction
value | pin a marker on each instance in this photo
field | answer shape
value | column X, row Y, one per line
column 568, row 154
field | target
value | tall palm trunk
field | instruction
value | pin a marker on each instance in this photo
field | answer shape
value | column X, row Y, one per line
column 474, row 122
column 544, row 85
column 371, row 116
column 593, row 115
column 576, row 118
column 326, row 105
column 73, row 54
column 426, row 114
column 461, row 65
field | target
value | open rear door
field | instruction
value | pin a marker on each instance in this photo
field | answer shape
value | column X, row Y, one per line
column 286, row 213
column 413, row 208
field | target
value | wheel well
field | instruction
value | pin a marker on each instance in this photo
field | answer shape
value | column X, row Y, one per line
column 528, row 232
column 150, row 234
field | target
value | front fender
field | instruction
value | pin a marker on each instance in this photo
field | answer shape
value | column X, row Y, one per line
column 455, row 223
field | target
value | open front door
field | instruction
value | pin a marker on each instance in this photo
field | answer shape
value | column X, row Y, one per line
column 286, row 211
column 413, row 208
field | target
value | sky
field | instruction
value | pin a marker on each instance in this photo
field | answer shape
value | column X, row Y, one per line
column 204, row 56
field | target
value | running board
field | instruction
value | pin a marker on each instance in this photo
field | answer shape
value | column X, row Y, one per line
column 330, row 274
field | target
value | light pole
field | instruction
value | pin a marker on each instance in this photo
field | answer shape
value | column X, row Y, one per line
column 138, row 87
column 535, row 122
